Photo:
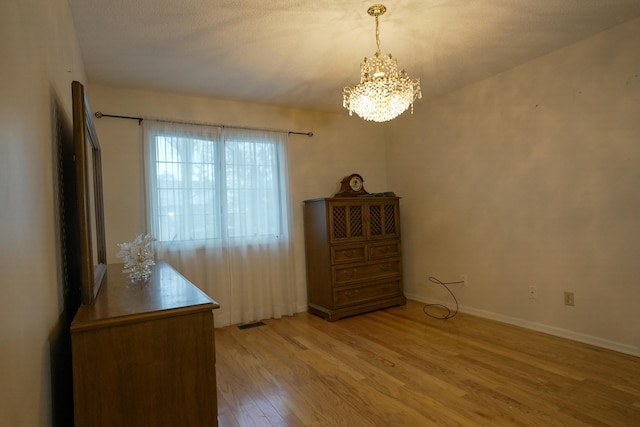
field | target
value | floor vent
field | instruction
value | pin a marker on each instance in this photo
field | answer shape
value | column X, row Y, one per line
column 251, row 325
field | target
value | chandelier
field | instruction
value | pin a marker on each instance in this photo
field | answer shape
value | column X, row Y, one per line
column 383, row 92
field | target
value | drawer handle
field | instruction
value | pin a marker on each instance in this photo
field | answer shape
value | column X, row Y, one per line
column 350, row 273
column 348, row 254
column 351, row 294
column 386, row 288
column 386, row 268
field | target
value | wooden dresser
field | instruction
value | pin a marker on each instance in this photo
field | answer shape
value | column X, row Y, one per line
column 144, row 354
column 353, row 255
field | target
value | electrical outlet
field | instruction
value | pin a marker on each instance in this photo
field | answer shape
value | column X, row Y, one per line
column 533, row 292
column 568, row 298
column 465, row 280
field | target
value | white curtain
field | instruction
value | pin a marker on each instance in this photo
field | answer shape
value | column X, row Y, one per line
column 218, row 203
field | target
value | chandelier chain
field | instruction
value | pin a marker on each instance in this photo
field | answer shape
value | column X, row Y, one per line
column 377, row 37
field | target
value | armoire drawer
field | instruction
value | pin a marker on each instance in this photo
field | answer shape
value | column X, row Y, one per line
column 369, row 292
column 384, row 249
column 371, row 270
column 351, row 253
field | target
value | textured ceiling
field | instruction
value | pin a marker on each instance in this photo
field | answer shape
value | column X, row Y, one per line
column 301, row 53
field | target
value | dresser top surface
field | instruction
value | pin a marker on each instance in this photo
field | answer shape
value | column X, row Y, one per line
column 367, row 197
column 166, row 293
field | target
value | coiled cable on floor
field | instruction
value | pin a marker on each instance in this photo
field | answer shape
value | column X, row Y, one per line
column 448, row 313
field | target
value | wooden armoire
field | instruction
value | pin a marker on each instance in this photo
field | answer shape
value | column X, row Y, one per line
column 353, row 255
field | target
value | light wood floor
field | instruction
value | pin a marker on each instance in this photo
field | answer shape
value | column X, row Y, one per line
column 398, row 367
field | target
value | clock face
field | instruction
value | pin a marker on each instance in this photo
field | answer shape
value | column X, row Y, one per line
column 355, row 183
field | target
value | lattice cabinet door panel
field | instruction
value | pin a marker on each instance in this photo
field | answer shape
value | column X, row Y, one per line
column 347, row 222
column 383, row 220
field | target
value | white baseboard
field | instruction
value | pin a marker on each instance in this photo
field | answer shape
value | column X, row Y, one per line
column 551, row 330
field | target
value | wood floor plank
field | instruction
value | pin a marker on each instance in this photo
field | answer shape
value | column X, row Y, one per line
column 399, row 367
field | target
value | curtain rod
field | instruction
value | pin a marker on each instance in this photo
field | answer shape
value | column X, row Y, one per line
column 99, row 115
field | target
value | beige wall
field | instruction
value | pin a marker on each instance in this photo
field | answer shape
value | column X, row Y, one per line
column 341, row 145
column 532, row 178
column 39, row 59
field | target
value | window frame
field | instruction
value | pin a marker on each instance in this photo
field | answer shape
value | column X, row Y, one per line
column 220, row 165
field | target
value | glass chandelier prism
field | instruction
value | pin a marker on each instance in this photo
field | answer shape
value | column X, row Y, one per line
column 384, row 92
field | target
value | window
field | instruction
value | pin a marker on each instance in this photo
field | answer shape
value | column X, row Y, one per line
column 211, row 183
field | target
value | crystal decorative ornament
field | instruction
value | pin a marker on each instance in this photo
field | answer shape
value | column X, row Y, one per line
column 383, row 92
column 138, row 257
